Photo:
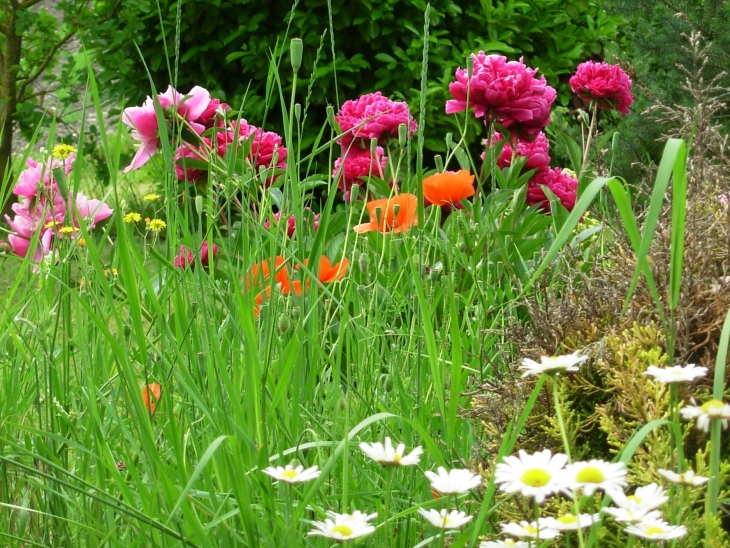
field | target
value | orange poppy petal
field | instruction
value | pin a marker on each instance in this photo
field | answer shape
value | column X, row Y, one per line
column 448, row 187
column 152, row 390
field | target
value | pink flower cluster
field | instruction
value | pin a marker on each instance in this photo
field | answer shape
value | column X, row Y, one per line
column 505, row 92
column 43, row 211
column 291, row 224
column 606, row 84
column 195, row 113
column 186, row 259
column 560, row 183
column 371, row 116
column 536, row 151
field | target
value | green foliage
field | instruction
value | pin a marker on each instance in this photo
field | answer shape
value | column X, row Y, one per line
column 226, row 46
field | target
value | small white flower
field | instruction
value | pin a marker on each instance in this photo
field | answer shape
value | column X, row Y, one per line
column 290, row 474
column 342, row 527
column 688, row 477
column 595, row 474
column 385, row 455
column 632, row 515
column 445, row 520
column 677, row 373
column 536, row 475
column 509, row 542
column 713, row 409
column 453, row 482
column 649, row 497
column 531, row 530
column 569, row 522
column 552, row 364
column 656, row 530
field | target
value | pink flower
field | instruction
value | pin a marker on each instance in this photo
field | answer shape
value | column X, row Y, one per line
column 607, row 84
column 30, row 221
column 185, row 257
column 373, row 116
column 195, row 175
column 145, row 126
column 506, row 92
column 559, row 182
column 265, row 147
column 291, row 224
column 30, row 178
column 358, row 165
column 95, row 210
column 207, row 117
column 536, row 151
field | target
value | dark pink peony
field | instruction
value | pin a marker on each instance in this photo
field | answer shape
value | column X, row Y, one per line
column 358, row 165
column 185, row 257
column 373, row 116
column 536, row 151
column 208, row 117
column 291, row 223
column 607, row 84
column 506, row 92
column 559, row 182
column 265, row 147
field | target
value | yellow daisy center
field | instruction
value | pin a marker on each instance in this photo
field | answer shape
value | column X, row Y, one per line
column 711, row 405
column 445, row 520
column 397, row 457
column 530, row 529
column 590, row 474
column 290, row 474
column 344, row 530
column 654, row 530
column 634, row 498
column 535, row 477
column 567, row 519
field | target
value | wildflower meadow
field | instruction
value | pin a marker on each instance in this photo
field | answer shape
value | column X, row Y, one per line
column 244, row 341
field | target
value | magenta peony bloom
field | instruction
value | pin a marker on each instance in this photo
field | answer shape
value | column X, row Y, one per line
column 207, row 117
column 506, row 92
column 607, row 84
column 373, row 116
column 536, row 151
column 185, row 257
column 291, row 224
column 358, row 164
column 264, row 147
column 195, row 175
column 559, row 182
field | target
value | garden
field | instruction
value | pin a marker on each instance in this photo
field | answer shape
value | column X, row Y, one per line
column 458, row 300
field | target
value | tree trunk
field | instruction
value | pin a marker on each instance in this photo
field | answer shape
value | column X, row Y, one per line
column 9, row 88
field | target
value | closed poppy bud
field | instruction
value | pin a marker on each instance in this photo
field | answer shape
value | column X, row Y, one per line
column 402, row 135
column 283, row 324
column 296, row 49
column 199, row 205
column 363, row 261
column 469, row 67
column 373, row 147
column 342, row 404
column 330, row 111
column 354, row 191
column 297, row 111
column 439, row 163
column 449, row 138
column 388, row 384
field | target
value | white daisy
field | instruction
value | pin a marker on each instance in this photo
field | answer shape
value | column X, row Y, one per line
column 385, row 455
column 531, row 530
column 650, row 496
column 656, row 530
column 290, row 474
column 552, row 364
column 713, row 409
column 569, row 522
column 342, row 527
column 677, row 373
column 453, row 482
column 688, row 477
column 536, row 475
column 595, row 474
column 633, row 515
column 444, row 519
column 509, row 542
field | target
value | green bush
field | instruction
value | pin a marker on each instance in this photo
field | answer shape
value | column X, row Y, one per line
column 226, row 46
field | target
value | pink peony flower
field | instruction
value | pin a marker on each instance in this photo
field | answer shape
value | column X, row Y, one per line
column 207, row 117
column 291, row 224
column 607, row 84
column 145, row 126
column 506, row 92
column 95, row 210
column 28, row 221
column 559, row 182
column 195, row 175
column 185, row 257
column 536, row 151
column 358, row 164
column 373, row 116
column 30, row 178
column 265, row 146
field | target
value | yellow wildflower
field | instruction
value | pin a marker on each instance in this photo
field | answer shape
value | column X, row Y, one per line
column 51, row 224
column 82, row 242
column 157, row 224
column 132, row 217
column 151, row 197
column 63, row 152
column 68, row 230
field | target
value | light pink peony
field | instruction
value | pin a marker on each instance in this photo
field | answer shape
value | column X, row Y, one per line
column 559, row 182
column 373, row 116
column 506, row 92
column 291, row 223
column 185, row 257
column 94, row 210
column 358, row 165
column 607, row 84
column 536, row 151
column 30, row 178
column 29, row 221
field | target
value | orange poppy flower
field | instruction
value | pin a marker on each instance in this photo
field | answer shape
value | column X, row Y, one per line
column 152, row 390
column 329, row 272
column 260, row 277
column 396, row 214
column 448, row 187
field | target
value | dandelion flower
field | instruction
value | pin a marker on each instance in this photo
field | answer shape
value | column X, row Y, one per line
column 343, row 527
column 531, row 530
column 289, row 474
column 151, row 197
column 552, row 364
column 444, row 519
column 509, row 542
column 63, row 152
column 656, row 530
column 569, row 522
column 595, row 474
column 688, row 477
column 67, row 230
column 713, row 409
column 536, row 475
column 132, row 217
column 387, row 456
column 157, row 224
column 677, row 373
column 453, row 482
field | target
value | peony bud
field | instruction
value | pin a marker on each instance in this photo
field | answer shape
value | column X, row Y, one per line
column 296, row 48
